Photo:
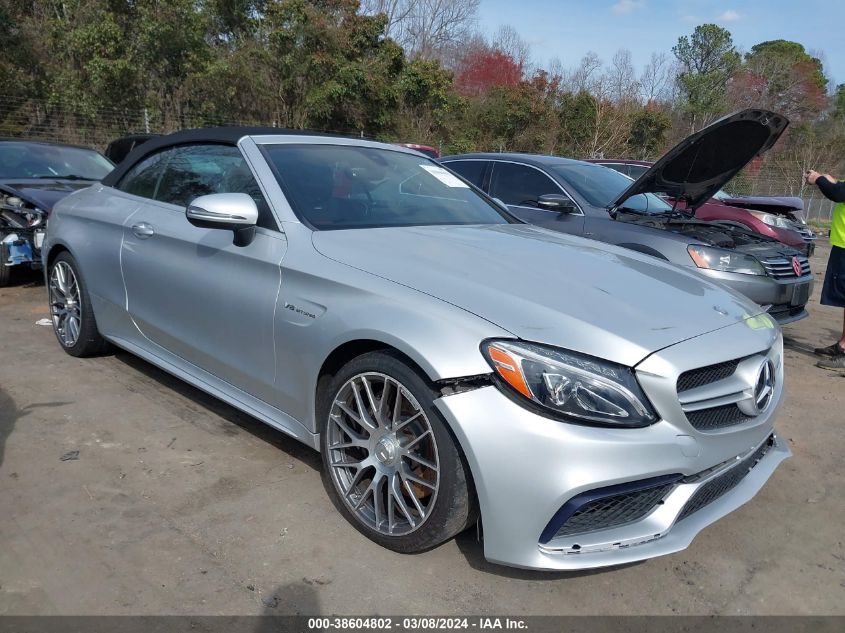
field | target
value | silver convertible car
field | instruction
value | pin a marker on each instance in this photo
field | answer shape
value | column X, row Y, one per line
column 586, row 405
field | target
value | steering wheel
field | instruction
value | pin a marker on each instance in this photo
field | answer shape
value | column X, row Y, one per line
column 368, row 206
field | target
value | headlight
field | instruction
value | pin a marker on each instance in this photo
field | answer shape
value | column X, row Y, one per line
column 771, row 219
column 727, row 261
column 572, row 386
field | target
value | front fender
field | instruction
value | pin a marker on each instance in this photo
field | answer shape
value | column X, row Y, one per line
column 318, row 313
column 441, row 339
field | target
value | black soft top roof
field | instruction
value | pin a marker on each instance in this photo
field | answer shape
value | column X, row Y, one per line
column 222, row 135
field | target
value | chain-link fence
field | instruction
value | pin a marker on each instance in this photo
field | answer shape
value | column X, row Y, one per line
column 775, row 180
column 93, row 127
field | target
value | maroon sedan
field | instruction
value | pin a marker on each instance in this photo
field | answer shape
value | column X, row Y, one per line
column 778, row 218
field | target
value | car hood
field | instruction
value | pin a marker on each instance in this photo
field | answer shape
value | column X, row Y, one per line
column 701, row 164
column 781, row 205
column 545, row 286
column 40, row 192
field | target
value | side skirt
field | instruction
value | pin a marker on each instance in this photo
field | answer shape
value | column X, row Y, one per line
column 223, row 390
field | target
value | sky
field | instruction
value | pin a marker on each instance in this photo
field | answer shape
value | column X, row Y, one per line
column 568, row 29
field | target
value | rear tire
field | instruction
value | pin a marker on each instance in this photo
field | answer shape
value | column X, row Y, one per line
column 411, row 489
column 71, row 311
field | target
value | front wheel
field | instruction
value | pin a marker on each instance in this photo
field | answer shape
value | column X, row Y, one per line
column 70, row 309
column 390, row 464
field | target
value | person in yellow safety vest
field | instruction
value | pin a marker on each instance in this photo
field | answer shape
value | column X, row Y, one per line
column 833, row 291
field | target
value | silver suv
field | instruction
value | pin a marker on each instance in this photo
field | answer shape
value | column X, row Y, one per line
column 588, row 404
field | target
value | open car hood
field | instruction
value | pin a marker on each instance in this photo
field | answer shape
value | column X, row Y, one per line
column 780, row 205
column 697, row 167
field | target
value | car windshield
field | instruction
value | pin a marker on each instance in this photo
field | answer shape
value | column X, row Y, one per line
column 344, row 187
column 600, row 186
column 36, row 160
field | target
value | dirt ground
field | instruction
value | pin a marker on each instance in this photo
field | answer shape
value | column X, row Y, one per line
column 179, row 504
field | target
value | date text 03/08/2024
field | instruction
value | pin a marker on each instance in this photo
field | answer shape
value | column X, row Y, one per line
column 416, row 623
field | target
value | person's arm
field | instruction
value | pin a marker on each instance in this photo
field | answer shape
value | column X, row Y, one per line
column 831, row 190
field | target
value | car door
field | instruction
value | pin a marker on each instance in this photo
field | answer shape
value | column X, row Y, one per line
column 190, row 290
column 520, row 186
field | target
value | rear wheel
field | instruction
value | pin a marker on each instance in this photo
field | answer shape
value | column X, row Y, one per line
column 70, row 309
column 390, row 464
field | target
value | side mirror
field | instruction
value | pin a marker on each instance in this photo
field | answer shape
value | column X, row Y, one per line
column 235, row 212
column 556, row 202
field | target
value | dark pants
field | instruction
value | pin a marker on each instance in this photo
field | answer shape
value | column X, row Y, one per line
column 833, row 291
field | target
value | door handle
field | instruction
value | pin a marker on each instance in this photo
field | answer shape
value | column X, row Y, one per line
column 143, row 230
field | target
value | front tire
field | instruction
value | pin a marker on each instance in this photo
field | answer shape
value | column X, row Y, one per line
column 70, row 309
column 390, row 465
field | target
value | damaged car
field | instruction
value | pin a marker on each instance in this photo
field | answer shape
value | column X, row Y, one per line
column 779, row 217
column 775, row 213
column 34, row 175
column 597, row 202
column 582, row 404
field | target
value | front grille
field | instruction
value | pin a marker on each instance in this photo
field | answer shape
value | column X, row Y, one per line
column 716, row 417
column 806, row 234
column 781, row 267
column 723, row 412
column 613, row 511
column 724, row 483
column 695, row 378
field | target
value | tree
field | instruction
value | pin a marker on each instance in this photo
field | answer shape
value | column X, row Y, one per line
column 18, row 66
column 657, row 78
column 484, row 68
column 839, row 102
column 508, row 40
column 781, row 76
column 580, row 78
column 167, row 41
column 648, row 133
column 331, row 66
column 397, row 13
column 708, row 59
column 428, row 103
column 428, row 28
column 621, row 78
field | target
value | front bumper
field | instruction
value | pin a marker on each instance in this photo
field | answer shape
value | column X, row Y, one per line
column 526, row 467
column 787, row 297
column 23, row 247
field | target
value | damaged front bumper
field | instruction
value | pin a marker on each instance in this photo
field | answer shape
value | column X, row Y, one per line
column 22, row 248
column 562, row 496
column 22, row 230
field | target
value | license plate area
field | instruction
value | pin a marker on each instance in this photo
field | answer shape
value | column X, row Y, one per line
column 801, row 294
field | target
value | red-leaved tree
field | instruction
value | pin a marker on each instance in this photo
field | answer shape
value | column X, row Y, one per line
column 484, row 68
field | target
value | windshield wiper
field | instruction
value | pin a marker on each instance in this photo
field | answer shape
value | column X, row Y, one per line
column 634, row 211
column 675, row 213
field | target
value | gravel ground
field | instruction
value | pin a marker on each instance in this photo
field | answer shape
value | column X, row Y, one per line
column 179, row 504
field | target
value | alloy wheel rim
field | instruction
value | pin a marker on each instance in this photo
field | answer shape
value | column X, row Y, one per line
column 382, row 454
column 65, row 306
